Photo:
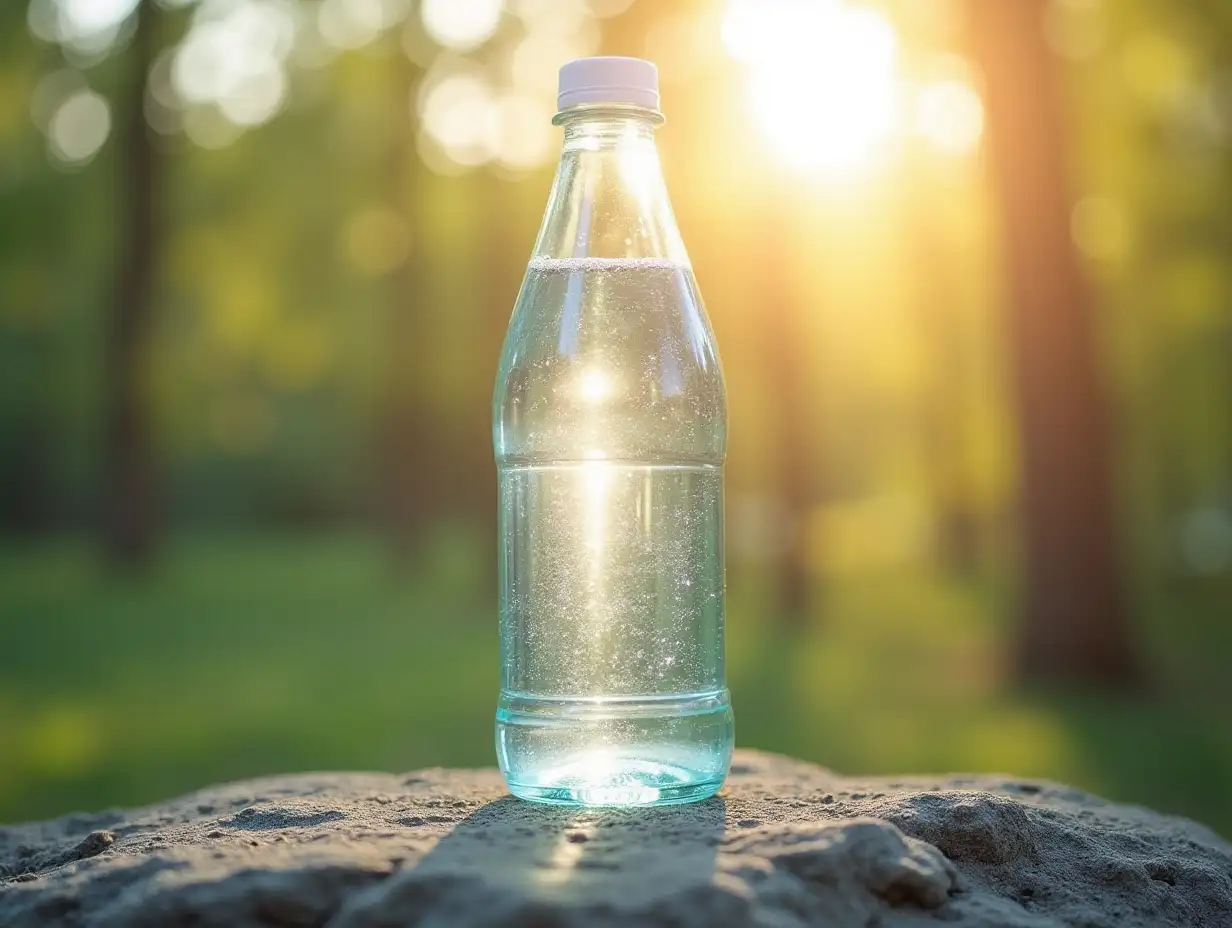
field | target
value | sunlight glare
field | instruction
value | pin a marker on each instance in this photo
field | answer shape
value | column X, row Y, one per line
column 594, row 386
column 639, row 168
column 755, row 31
column 823, row 80
column 567, row 853
column 600, row 777
column 596, row 478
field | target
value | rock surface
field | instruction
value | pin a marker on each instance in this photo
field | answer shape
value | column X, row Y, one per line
column 785, row 844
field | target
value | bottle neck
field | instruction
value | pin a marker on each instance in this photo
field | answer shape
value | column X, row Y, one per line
column 609, row 200
column 595, row 127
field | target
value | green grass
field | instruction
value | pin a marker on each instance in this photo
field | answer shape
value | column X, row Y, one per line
column 247, row 655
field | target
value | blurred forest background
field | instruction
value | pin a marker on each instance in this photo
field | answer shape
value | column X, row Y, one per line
column 970, row 268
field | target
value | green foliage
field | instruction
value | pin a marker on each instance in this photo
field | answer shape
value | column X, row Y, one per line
column 249, row 655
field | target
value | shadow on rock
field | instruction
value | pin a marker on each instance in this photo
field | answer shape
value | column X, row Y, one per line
column 515, row 863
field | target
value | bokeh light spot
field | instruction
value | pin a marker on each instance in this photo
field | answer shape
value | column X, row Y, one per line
column 233, row 57
column 159, row 83
column 162, row 103
column 461, row 24
column 162, row 119
column 206, row 126
column 344, row 24
column 257, row 98
column 523, row 136
column 43, row 20
column 355, row 23
column 87, row 30
column 565, row 18
column 51, row 91
column 79, row 127
column 606, row 9
column 551, row 16
column 436, row 159
column 458, row 112
column 417, row 45
column 81, row 18
column 536, row 60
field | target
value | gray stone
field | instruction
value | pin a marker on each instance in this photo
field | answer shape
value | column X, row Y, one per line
column 785, row 844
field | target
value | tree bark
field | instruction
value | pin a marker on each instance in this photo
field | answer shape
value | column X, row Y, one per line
column 131, row 504
column 1075, row 626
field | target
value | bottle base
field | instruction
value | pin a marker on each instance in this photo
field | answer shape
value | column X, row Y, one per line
column 616, row 796
column 615, row 752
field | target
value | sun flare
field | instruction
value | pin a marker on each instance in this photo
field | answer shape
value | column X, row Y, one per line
column 823, row 81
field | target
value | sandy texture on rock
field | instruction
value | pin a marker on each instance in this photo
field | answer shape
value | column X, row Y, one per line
column 785, row 844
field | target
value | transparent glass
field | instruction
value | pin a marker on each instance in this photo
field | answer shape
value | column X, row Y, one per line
column 610, row 431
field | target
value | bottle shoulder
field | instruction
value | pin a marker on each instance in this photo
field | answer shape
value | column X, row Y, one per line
column 610, row 360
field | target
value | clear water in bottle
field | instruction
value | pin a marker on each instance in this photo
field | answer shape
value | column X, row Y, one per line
column 610, row 435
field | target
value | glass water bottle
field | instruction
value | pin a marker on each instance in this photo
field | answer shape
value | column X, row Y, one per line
column 609, row 426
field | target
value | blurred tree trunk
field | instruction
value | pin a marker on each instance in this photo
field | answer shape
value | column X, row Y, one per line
column 26, row 486
column 27, row 441
column 785, row 357
column 130, row 504
column 406, row 444
column 1075, row 627
column 942, row 405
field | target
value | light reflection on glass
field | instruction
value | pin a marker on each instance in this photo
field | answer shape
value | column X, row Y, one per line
column 594, row 386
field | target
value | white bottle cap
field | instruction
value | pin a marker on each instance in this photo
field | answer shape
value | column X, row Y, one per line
column 629, row 81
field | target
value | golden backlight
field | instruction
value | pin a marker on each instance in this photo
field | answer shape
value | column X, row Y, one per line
column 822, row 79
